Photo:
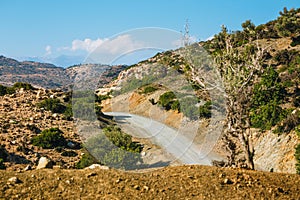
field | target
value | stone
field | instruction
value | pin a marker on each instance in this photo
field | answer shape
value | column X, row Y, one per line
column 14, row 180
column 44, row 163
column 27, row 168
column 227, row 181
column 71, row 145
column 136, row 187
column 94, row 166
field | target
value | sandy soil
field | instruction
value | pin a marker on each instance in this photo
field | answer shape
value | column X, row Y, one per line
column 186, row 182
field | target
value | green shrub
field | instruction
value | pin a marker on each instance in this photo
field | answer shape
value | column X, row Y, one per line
column 121, row 139
column 295, row 41
column 20, row 85
column 49, row 138
column 6, row 90
column 297, row 156
column 3, row 90
column 53, row 105
column 188, row 107
column 68, row 113
column 114, row 148
column 297, row 129
column 86, row 160
column 166, row 100
column 149, row 89
column 205, row 110
column 2, row 166
column 120, row 159
column 3, row 153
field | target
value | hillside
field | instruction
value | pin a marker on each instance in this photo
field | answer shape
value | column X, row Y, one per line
column 236, row 96
column 259, row 68
column 49, row 76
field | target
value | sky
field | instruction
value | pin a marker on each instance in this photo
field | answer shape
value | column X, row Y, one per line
column 71, row 29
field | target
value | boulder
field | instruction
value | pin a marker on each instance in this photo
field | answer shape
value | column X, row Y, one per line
column 44, row 163
column 94, row 166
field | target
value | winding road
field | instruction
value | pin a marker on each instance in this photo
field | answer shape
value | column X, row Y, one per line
column 169, row 139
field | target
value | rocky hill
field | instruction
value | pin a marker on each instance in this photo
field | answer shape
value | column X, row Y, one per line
column 259, row 68
column 256, row 109
column 44, row 75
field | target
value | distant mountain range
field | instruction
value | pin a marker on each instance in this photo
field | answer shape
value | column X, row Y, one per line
column 61, row 61
column 47, row 75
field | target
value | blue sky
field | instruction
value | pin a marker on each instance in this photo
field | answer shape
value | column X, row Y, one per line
column 51, row 28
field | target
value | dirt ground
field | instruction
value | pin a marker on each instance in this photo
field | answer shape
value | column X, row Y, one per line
column 186, row 182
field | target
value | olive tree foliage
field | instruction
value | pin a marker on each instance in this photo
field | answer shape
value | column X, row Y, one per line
column 238, row 67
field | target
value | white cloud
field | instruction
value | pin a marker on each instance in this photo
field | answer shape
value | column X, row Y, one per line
column 48, row 50
column 87, row 44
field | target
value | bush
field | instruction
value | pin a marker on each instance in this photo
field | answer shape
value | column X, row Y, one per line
column 6, row 90
column 3, row 90
column 149, row 89
column 297, row 156
column 118, row 158
column 68, row 113
column 3, row 154
column 188, row 107
column 49, row 138
column 121, row 139
column 20, row 85
column 2, row 166
column 86, row 160
column 166, row 100
column 53, row 105
column 205, row 110
column 114, row 148
column 295, row 41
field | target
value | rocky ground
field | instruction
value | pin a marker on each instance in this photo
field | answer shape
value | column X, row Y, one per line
column 186, row 182
column 21, row 120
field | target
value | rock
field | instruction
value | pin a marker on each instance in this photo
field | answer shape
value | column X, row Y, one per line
column 71, row 145
column 94, row 166
column 14, row 180
column 146, row 188
column 27, row 168
column 44, row 163
column 12, row 121
column 227, row 181
column 118, row 180
column 136, row 187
